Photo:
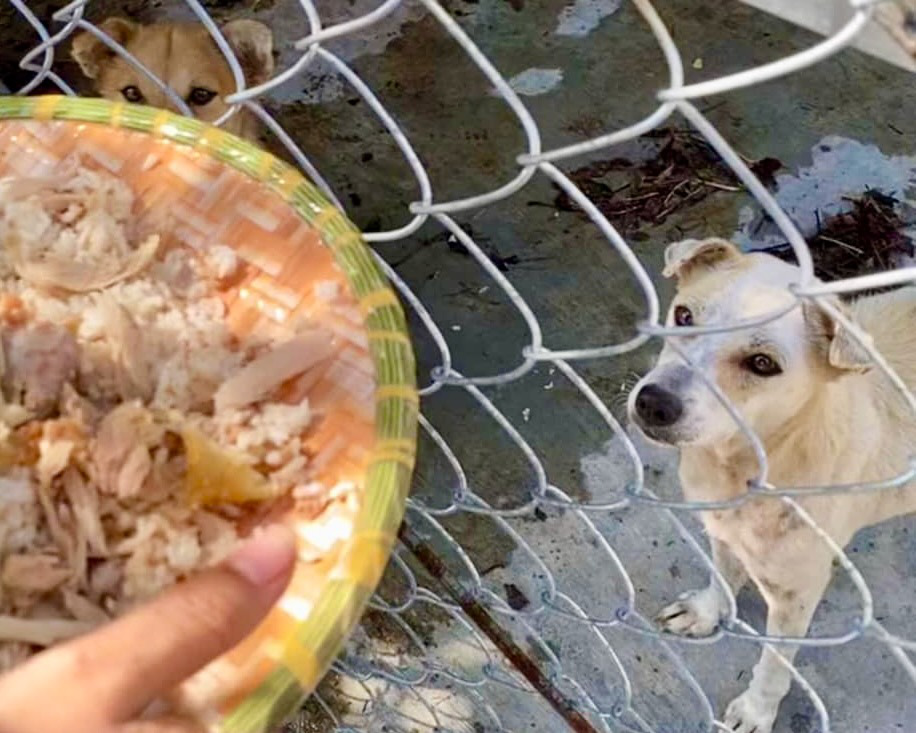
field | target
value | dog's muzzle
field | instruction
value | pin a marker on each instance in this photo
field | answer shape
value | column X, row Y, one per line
column 657, row 408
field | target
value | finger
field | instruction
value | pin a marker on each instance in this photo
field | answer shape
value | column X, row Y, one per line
column 123, row 666
column 192, row 624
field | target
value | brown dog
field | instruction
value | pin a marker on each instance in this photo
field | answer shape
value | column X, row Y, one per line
column 186, row 58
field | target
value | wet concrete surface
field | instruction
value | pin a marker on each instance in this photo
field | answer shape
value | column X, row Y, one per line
column 583, row 295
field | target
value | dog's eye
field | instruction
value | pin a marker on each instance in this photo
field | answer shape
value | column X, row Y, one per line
column 200, row 96
column 683, row 316
column 762, row 365
column 132, row 94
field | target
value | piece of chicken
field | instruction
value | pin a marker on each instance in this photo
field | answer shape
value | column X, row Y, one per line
column 38, row 361
column 120, row 451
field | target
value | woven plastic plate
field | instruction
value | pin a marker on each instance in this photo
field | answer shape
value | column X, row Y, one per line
column 303, row 260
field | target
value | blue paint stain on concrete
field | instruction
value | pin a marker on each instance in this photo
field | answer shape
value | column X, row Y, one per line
column 840, row 168
column 583, row 16
column 534, row 82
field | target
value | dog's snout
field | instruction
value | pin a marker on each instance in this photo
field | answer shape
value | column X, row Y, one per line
column 657, row 407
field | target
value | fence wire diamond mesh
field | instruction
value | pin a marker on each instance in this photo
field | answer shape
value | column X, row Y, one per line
column 444, row 647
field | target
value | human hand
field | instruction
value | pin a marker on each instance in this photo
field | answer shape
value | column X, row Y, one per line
column 102, row 682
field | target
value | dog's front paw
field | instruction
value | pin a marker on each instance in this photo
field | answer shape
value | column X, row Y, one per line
column 748, row 713
column 696, row 613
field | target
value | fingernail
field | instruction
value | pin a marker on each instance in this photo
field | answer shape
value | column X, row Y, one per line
column 268, row 554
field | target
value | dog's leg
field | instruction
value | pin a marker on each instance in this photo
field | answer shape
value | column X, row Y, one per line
column 698, row 612
column 789, row 612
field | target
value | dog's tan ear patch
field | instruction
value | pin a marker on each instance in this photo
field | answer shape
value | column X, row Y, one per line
column 90, row 53
column 692, row 255
column 253, row 43
column 843, row 352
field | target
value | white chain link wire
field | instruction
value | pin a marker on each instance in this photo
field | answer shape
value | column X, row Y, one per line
column 427, row 684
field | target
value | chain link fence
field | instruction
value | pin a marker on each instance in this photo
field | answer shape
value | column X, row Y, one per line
column 452, row 645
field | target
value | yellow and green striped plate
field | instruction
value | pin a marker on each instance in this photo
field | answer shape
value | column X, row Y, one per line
column 304, row 262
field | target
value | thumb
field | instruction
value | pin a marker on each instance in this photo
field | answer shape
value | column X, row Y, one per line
column 128, row 663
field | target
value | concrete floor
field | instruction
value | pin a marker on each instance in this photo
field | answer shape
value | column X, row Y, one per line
column 583, row 295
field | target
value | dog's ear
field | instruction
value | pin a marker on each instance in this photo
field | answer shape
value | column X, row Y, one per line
column 686, row 258
column 253, row 44
column 91, row 54
column 834, row 340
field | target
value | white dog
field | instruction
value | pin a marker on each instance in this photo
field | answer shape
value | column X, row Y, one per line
column 824, row 415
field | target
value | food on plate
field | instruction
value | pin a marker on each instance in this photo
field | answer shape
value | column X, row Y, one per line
column 140, row 437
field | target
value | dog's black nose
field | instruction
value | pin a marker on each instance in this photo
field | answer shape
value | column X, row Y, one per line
column 658, row 407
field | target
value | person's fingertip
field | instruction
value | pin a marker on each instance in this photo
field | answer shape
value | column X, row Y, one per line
column 266, row 557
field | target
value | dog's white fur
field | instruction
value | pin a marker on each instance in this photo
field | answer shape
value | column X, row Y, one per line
column 830, row 417
column 898, row 20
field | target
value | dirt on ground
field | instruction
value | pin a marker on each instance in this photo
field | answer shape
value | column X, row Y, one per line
column 684, row 170
column 869, row 238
